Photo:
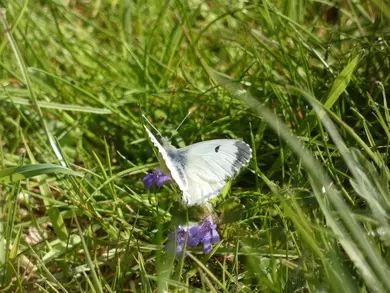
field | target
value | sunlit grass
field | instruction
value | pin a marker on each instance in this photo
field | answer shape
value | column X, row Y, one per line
column 303, row 84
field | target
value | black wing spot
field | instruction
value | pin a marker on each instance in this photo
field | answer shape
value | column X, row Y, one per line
column 217, row 149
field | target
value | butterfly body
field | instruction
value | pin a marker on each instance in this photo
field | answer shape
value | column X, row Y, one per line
column 202, row 169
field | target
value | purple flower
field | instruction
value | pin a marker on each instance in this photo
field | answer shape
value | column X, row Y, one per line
column 180, row 235
column 208, row 234
column 205, row 233
column 157, row 177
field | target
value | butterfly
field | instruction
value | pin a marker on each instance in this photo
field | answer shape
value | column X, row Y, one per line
column 202, row 169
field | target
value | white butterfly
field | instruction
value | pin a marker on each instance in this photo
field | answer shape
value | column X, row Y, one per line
column 202, row 169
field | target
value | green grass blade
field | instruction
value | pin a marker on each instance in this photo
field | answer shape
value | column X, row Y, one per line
column 22, row 172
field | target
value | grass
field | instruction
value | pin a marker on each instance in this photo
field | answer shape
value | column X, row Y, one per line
column 304, row 83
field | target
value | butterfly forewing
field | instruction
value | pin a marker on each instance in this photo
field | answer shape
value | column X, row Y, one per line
column 209, row 165
column 171, row 161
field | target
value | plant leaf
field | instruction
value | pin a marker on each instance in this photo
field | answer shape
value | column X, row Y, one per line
column 341, row 82
column 18, row 173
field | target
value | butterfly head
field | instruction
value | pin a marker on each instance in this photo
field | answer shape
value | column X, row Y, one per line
column 167, row 143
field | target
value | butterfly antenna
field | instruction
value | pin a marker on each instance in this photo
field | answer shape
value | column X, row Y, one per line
column 181, row 123
column 147, row 120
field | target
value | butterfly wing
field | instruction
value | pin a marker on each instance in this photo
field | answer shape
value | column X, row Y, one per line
column 208, row 165
column 173, row 160
column 202, row 169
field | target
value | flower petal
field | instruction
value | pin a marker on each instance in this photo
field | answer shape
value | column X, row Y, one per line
column 162, row 180
column 207, row 247
column 179, row 249
column 157, row 177
column 215, row 238
column 148, row 180
column 206, row 233
column 193, row 236
column 160, row 177
column 181, row 235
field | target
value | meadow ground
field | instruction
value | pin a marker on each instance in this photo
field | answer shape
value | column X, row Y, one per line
column 304, row 83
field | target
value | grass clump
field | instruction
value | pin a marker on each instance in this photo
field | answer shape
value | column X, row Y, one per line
column 304, row 84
